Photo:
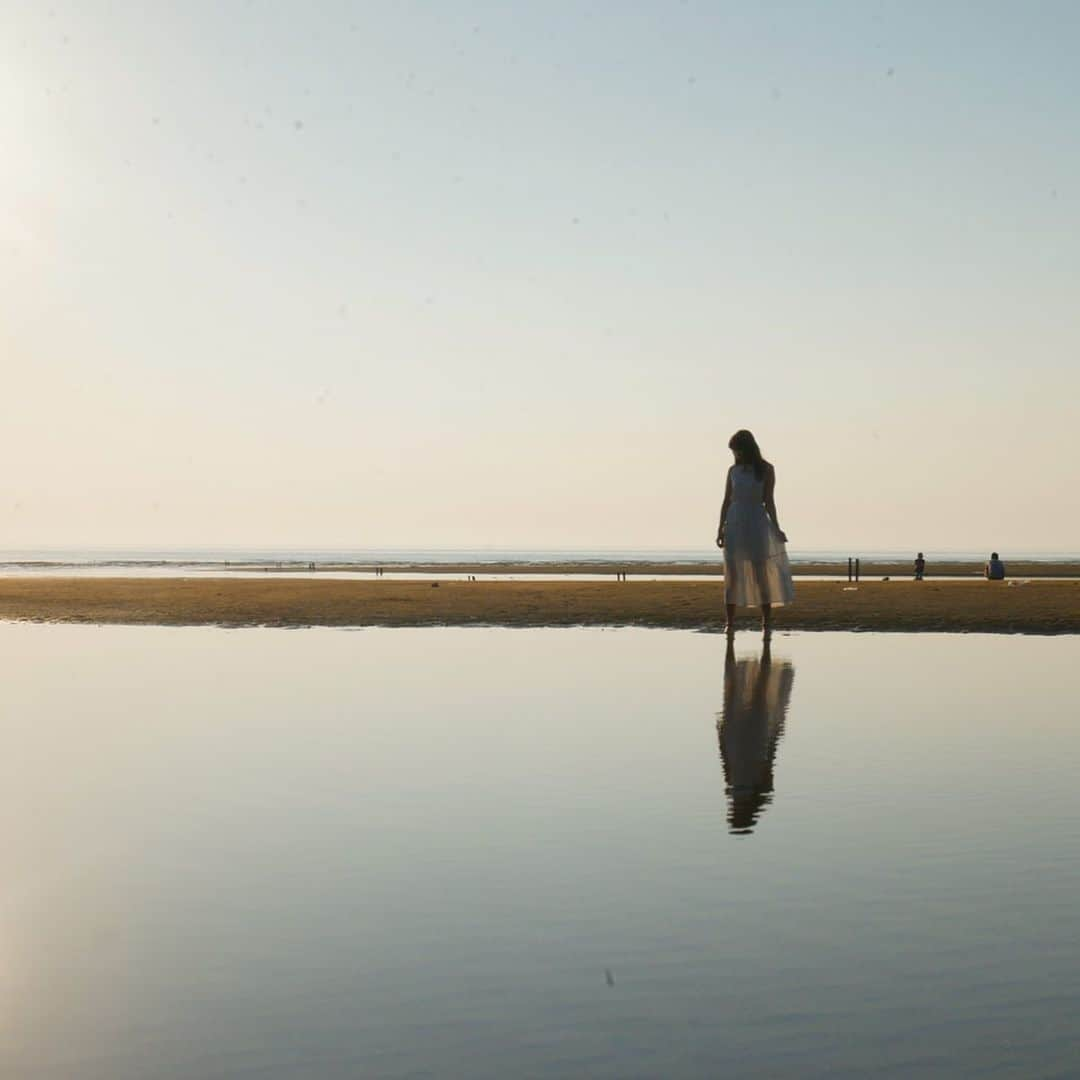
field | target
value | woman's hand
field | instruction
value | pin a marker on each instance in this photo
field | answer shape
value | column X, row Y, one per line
column 783, row 535
column 720, row 539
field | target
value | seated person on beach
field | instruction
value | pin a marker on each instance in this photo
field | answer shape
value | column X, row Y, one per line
column 995, row 568
column 920, row 566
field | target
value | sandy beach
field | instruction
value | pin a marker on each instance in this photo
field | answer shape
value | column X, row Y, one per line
column 869, row 568
column 1032, row 607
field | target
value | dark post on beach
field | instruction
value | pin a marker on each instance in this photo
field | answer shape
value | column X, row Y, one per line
column 849, row 568
column 856, row 571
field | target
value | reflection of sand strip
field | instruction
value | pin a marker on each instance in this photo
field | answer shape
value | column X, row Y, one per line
column 1037, row 607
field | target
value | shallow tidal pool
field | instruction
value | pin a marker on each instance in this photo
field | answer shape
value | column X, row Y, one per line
column 543, row 853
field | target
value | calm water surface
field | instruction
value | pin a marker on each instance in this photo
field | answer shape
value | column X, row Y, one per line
column 496, row 853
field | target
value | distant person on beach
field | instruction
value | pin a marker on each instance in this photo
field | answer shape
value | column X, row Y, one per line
column 995, row 568
column 756, row 567
column 920, row 566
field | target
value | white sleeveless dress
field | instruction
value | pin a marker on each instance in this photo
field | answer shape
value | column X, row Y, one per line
column 756, row 567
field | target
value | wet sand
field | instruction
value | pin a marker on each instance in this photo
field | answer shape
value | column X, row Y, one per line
column 868, row 568
column 1035, row 607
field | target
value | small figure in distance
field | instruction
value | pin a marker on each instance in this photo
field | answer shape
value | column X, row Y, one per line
column 920, row 566
column 994, row 570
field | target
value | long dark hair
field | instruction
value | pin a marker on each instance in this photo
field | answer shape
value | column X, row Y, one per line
column 746, row 450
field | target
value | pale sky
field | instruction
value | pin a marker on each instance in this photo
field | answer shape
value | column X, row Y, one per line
column 459, row 274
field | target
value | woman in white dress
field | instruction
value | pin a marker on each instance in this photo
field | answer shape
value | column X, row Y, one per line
column 756, row 567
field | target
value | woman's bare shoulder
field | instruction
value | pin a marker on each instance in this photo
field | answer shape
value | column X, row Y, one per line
column 769, row 470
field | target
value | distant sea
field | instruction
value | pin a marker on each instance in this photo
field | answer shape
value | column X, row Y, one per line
column 86, row 558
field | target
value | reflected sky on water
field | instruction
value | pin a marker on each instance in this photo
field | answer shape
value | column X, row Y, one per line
column 511, row 852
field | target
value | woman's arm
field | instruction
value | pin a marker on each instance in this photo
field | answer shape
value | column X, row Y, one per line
column 770, row 499
column 723, row 511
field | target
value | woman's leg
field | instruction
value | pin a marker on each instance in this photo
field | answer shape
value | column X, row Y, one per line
column 766, row 618
column 730, row 628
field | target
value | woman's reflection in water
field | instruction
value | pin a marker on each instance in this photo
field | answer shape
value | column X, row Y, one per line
column 756, row 697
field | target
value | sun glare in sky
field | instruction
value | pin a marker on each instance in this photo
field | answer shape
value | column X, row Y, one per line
column 511, row 273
